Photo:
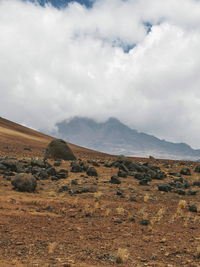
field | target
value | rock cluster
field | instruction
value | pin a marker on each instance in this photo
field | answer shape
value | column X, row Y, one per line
column 25, row 173
column 142, row 172
column 80, row 166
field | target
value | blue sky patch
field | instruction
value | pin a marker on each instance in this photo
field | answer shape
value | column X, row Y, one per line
column 62, row 3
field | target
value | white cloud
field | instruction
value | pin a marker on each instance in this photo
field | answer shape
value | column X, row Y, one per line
column 55, row 64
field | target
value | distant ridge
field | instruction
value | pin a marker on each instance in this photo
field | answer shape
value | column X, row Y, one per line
column 114, row 137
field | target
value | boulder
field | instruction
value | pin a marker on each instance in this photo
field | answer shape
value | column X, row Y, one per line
column 92, row 172
column 58, row 149
column 24, row 182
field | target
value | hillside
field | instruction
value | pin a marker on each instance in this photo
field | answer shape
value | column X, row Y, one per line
column 114, row 137
column 20, row 141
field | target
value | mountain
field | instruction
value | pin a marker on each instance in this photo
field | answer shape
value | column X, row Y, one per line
column 114, row 137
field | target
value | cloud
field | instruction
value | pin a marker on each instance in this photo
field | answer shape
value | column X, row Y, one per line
column 56, row 64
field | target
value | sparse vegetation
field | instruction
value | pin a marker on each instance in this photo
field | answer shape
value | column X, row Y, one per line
column 122, row 255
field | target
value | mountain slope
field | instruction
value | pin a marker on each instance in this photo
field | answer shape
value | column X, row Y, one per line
column 114, row 137
column 19, row 141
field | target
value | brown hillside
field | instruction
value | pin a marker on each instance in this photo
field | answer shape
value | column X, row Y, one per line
column 20, row 141
column 81, row 220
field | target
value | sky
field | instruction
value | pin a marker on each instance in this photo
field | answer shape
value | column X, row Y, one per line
column 136, row 60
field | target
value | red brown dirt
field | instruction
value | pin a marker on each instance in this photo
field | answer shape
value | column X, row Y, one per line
column 48, row 228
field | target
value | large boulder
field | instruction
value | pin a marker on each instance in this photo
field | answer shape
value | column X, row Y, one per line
column 58, row 149
column 24, row 182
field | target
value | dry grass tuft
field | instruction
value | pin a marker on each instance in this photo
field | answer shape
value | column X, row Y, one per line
column 97, row 195
column 122, row 255
column 107, row 212
column 198, row 252
column 146, row 198
column 180, row 208
column 52, row 247
column 120, row 210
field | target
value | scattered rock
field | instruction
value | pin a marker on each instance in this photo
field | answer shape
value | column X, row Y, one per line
column 120, row 193
column 165, row 187
column 196, row 183
column 58, row 149
column 143, row 182
column 185, row 171
column 115, row 180
column 38, row 162
column 57, row 163
column 74, row 182
column 180, row 192
column 122, row 174
column 192, row 193
column 24, row 182
column 62, row 174
column 28, row 148
column 64, row 188
column 193, row 208
column 145, row 222
column 92, row 172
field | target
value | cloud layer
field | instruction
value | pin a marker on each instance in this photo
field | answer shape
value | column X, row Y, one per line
column 55, row 64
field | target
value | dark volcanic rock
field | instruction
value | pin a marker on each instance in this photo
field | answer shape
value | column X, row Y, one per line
column 123, row 168
column 58, row 149
column 120, row 193
column 145, row 222
column 164, row 187
column 174, row 174
column 10, row 164
column 24, row 182
column 143, row 182
column 92, row 172
column 3, row 167
column 196, row 183
column 185, row 171
column 62, row 174
column 159, row 176
column 76, row 167
column 180, row 192
column 94, row 163
column 192, row 192
column 122, row 174
column 64, row 188
column 57, row 163
column 42, row 175
column 83, row 189
column 38, row 162
column 115, row 180
column 193, row 208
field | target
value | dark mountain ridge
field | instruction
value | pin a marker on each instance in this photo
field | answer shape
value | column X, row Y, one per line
column 114, row 137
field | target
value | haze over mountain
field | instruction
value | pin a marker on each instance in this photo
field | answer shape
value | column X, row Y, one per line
column 114, row 137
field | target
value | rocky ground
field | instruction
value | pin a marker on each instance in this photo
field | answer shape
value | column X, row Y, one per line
column 100, row 213
column 96, row 211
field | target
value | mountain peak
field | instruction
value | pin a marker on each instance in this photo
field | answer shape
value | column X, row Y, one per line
column 114, row 137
